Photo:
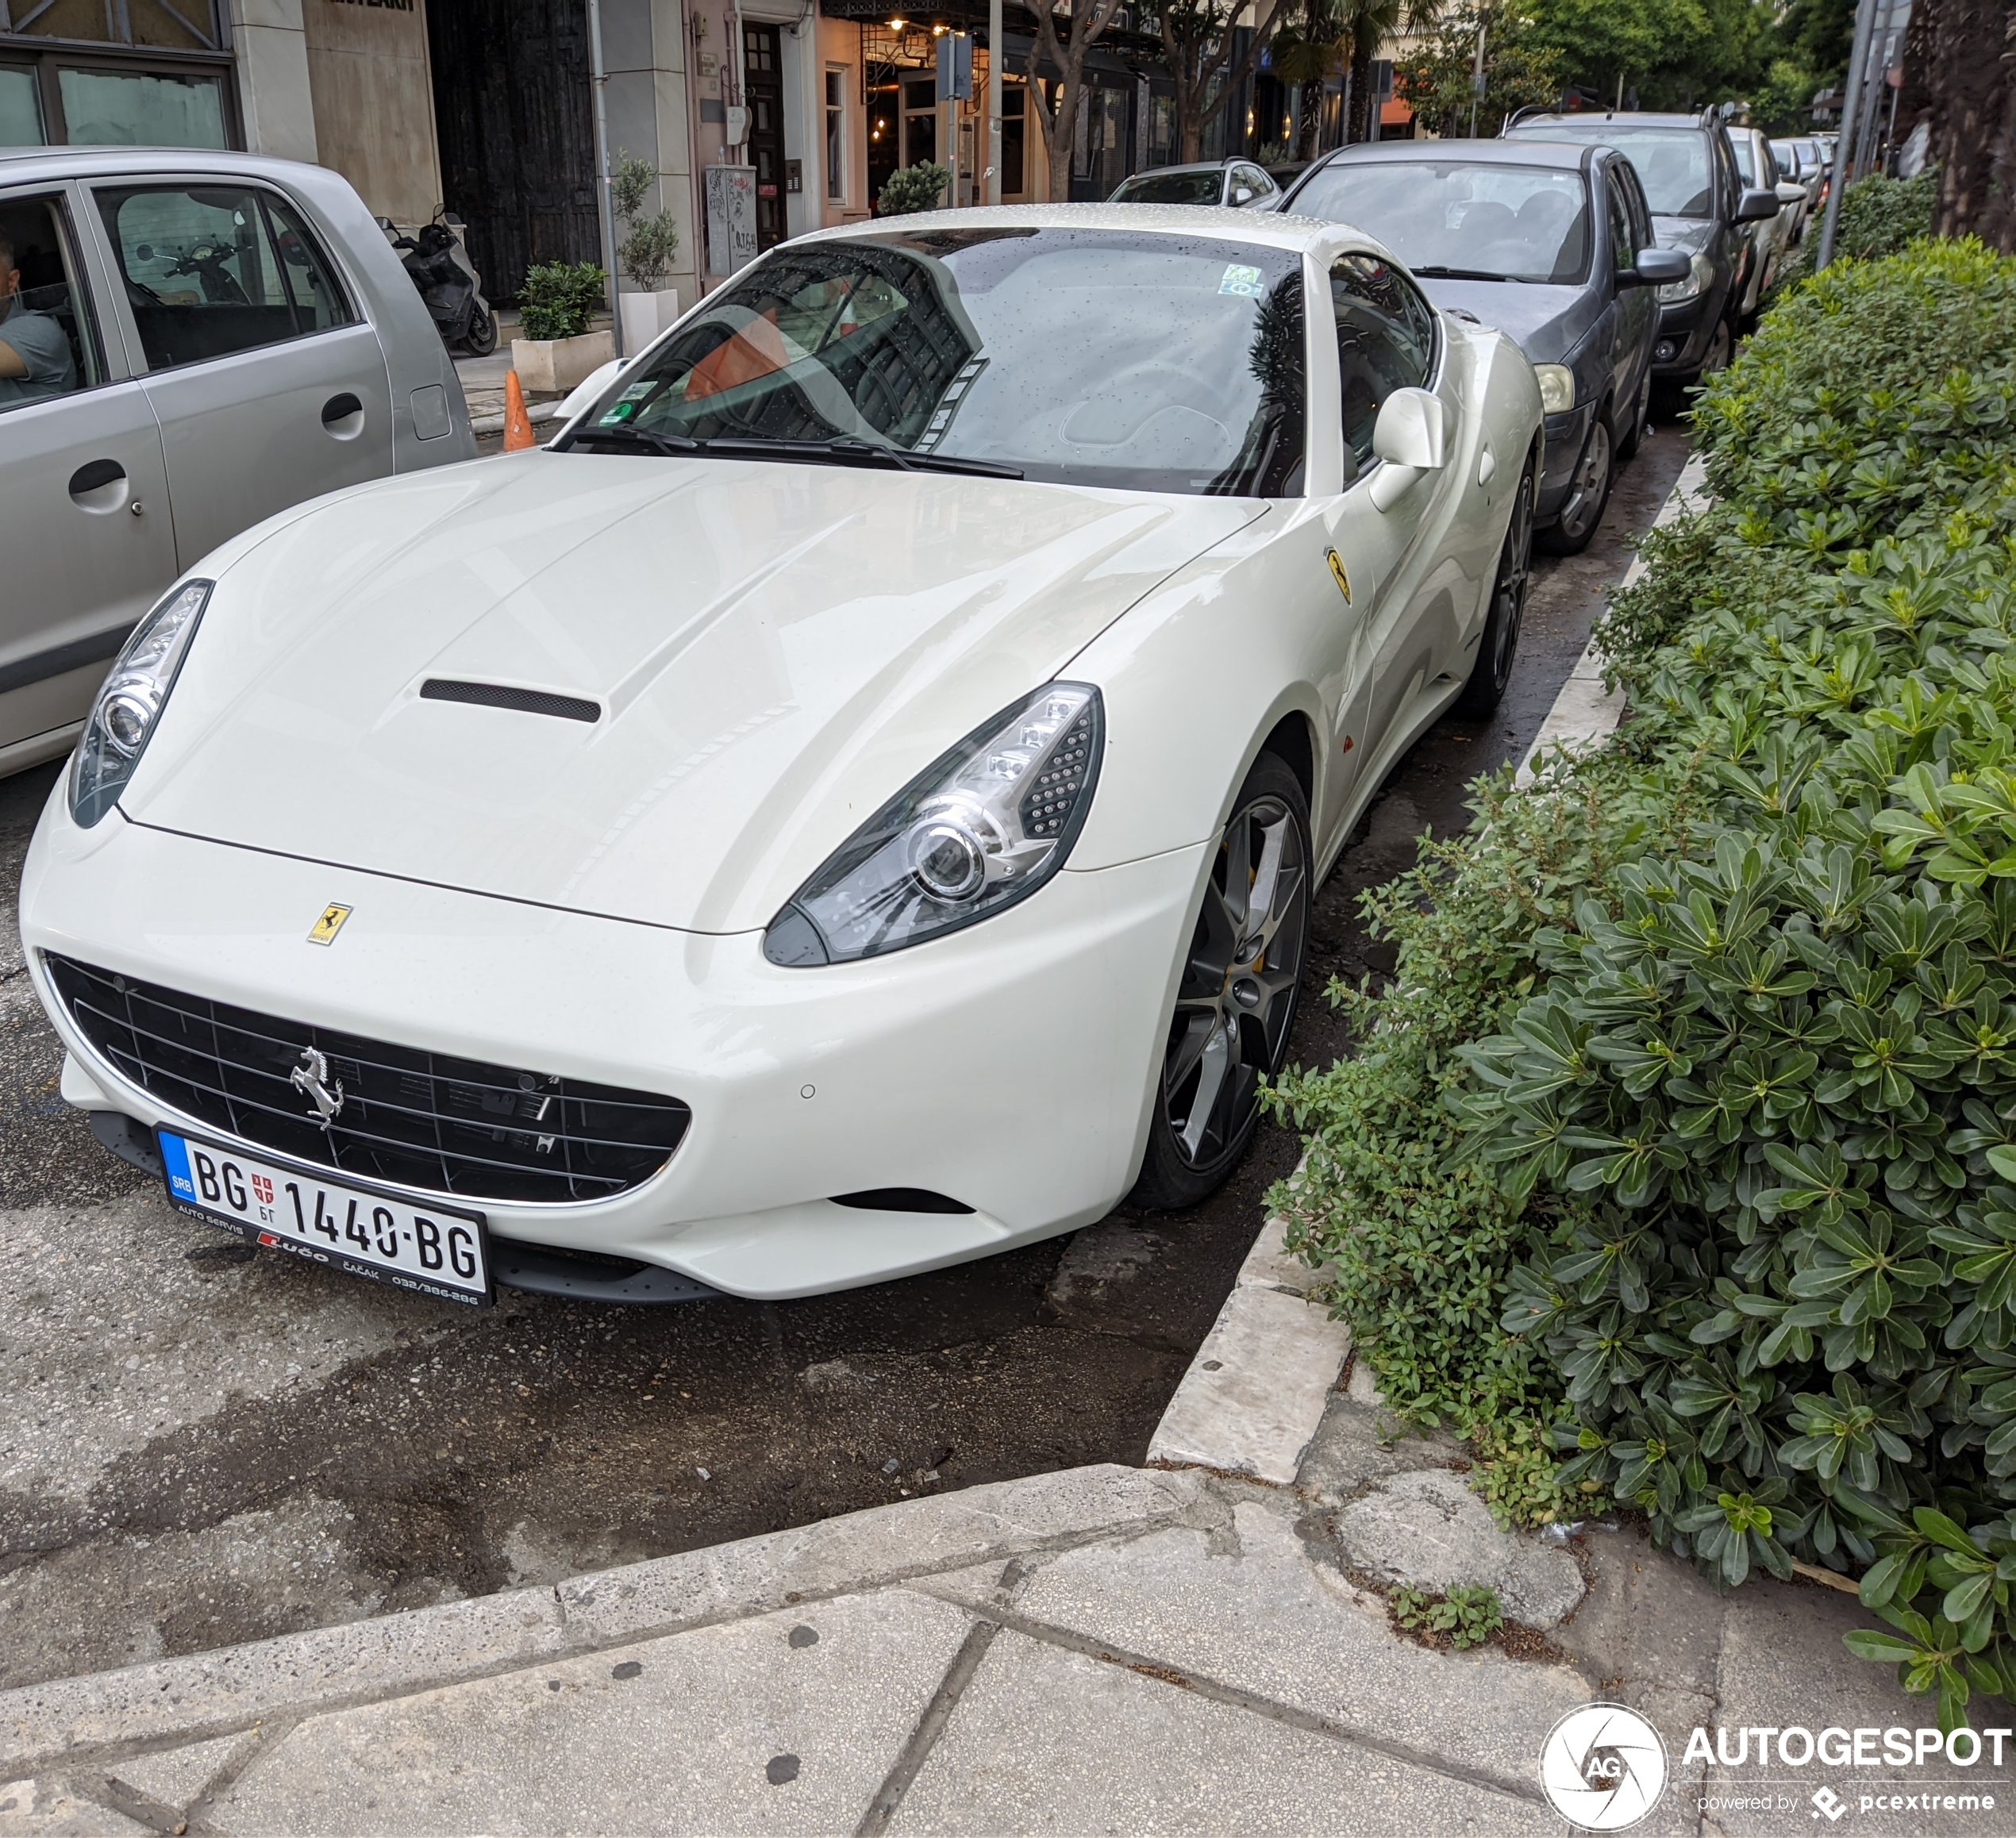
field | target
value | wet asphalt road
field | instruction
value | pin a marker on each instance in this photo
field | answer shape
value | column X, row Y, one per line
column 202, row 1444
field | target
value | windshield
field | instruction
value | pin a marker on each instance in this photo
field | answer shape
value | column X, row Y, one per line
column 1671, row 163
column 1086, row 357
column 1514, row 223
column 1171, row 188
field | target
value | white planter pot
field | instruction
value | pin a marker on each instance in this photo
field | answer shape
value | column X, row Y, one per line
column 645, row 316
column 552, row 366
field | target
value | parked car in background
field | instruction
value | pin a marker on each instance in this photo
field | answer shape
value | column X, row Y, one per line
column 1758, row 168
column 850, row 804
column 1241, row 183
column 197, row 340
column 1699, row 205
column 1551, row 244
column 1799, row 160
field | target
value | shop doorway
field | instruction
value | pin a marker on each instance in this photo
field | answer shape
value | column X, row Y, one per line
column 763, row 83
column 903, row 127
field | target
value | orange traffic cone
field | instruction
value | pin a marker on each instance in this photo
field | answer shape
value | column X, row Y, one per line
column 517, row 424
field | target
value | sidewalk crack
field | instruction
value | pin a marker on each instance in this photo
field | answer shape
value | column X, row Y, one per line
column 930, row 1726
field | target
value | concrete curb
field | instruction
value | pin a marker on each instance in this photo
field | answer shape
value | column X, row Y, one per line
column 1584, row 712
column 169, row 1703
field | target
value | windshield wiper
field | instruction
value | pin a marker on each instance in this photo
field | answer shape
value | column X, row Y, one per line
column 851, row 450
column 1462, row 275
column 624, row 434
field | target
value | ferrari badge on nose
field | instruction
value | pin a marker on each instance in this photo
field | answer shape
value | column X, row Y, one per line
column 325, row 929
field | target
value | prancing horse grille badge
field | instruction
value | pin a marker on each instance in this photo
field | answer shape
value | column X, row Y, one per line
column 325, row 929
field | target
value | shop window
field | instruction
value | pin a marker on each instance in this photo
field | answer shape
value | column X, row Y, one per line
column 920, row 121
column 20, row 109
column 836, row 136
column 212, row 269
column 1014, row 130
column 105, row 108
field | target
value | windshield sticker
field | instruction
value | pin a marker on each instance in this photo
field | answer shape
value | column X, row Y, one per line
column 626, row 405
column 1242, row 281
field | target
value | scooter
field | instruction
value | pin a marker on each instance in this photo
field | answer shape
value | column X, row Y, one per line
column 440, row 269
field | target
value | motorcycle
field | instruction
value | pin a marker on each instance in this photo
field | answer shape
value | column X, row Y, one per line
column 438, row 266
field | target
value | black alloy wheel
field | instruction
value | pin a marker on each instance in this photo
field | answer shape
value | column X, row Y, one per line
column 1500, row 642
column 480, row 340
column 1236, row 997
column 1588, row 492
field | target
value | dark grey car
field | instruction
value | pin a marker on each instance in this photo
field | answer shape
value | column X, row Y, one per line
column 1700, row 206
column 1551, row 244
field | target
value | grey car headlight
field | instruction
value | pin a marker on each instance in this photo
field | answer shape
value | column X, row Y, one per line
column 982, row 827
column 130, row 700
column 1700, row 270
column 1556, row 387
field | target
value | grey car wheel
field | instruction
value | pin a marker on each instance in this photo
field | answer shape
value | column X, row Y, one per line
column 1236, row 993
column 1588, row 492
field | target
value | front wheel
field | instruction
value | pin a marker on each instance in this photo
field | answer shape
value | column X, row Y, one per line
column 1500, row 642
column 481, row 339
column 1235, row 995
column 1588, row 492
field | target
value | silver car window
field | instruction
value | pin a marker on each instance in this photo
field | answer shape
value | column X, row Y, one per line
column 45, row 315
column 214, row 269
column 1386, row 341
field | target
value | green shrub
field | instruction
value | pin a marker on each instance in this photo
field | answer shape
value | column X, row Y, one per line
column 1469, row 1614
column 913, row 188
column 1879, row 215
column 646, row 251
column 1733, row 1146
column 558, row 299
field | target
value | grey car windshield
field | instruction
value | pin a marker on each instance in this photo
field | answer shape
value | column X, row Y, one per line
column 1172, row 188
column 1515, row 223
column 1162, row 362
column 1671, row 163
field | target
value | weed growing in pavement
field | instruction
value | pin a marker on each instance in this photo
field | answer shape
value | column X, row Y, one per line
column 1468, row 1615
column 1698, row 1073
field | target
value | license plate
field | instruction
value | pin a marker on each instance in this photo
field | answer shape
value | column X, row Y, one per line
column 368, row 1231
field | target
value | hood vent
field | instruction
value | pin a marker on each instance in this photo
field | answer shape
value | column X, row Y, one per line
column 496, row 695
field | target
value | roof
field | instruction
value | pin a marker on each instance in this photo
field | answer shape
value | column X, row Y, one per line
column 1270, row 229
column 1569, row 156
column 1589, row 120
column 68, row 161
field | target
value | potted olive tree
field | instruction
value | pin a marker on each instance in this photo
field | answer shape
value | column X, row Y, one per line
column 557, row 303
column 644, row 255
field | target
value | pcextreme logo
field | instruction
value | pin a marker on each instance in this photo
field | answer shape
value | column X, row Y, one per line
column 1602, row 1767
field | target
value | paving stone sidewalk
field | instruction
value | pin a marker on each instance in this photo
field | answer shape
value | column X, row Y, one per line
column 1103, row 1650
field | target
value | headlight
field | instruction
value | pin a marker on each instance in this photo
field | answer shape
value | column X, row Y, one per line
column 1556, row 387
column 1700, row 270
column 983, row 826
column 130, row 702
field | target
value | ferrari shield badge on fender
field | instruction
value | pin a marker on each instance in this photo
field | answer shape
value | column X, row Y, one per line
column 1338, row 574
column 325, row 929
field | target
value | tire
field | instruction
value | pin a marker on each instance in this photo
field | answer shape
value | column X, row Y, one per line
column 1627, row 442
column 1496, row 649
column 1582, row 510
column 1722, row 344
column 1236, row 997
column 482, row 338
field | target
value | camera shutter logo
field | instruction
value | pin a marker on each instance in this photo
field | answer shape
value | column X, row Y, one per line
column 1602, row 1767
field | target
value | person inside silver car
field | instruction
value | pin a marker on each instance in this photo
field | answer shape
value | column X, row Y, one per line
column 35, row 355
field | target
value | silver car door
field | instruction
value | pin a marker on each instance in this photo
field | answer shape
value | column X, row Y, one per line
column 269, row 384
column 86, row 540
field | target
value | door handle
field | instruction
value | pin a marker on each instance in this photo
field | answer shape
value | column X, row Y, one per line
column 99, row 485
column 343, row 417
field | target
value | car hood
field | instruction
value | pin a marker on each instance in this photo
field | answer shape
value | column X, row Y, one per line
column 1690, row 234
column 776, row 649
column 1545, row 322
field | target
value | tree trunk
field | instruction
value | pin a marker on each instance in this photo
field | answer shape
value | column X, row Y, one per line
column 1312, row 112
column 1969, row 79
column 1360, row 127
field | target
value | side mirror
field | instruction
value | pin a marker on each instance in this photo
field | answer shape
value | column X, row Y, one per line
column 1788, row 193
column 1243, row 196
column 584, row 393
column 1757, row 206
column 1412, row 430
column 1656, row 267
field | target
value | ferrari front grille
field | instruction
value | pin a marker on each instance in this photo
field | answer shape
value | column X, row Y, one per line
column 415, row 1118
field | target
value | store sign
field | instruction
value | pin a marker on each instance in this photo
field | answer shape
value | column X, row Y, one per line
column 731, row 218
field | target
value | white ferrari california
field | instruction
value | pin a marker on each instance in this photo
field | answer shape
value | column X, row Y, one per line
column 849, row 803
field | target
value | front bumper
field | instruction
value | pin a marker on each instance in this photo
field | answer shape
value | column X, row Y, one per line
column 1685, row 327
column 1566, row 434
column 1009, row 1066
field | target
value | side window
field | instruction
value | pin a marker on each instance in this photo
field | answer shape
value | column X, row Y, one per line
column 1623, row 252
column 1386, row 341
column 1625, row 175
column 48, row 344
column 212, row 269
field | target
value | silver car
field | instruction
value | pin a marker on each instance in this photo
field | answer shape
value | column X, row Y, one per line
column 189, row 342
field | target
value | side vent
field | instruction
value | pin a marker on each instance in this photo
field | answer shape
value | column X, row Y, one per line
column 524, row 702
column 901, row 1200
